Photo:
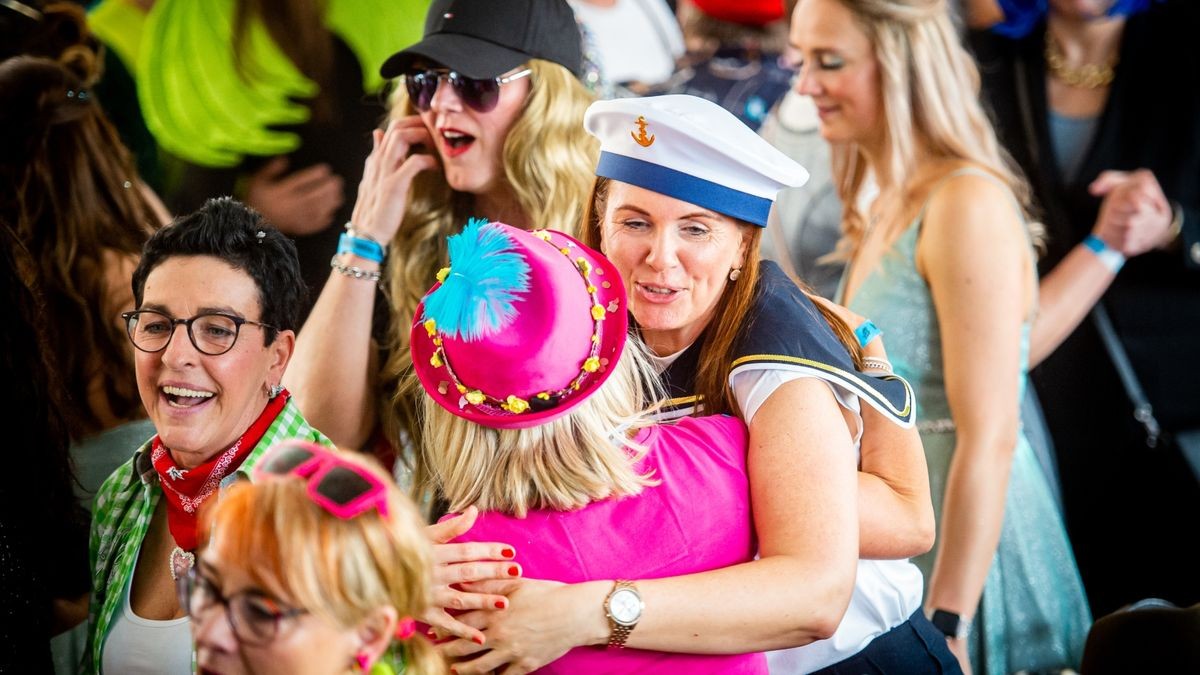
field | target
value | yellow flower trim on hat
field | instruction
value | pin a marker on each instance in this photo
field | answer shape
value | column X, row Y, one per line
column 512, row 403
column 515, row 405
column 585, row 267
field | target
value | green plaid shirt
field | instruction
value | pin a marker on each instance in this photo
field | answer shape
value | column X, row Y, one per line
column 123, row 509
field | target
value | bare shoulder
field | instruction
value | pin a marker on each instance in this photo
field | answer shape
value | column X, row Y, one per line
column 968, row 204
column 972, row 224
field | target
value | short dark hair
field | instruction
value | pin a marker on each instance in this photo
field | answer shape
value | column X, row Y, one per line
column 226, row 229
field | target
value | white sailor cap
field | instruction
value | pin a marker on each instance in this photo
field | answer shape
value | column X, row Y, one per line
column 693, row 150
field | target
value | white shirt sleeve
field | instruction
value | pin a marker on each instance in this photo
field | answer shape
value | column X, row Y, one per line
column 752, row 388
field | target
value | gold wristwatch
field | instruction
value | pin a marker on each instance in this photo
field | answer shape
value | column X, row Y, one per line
column 623, row 607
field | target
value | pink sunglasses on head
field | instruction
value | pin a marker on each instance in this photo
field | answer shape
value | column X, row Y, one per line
column 343, row 489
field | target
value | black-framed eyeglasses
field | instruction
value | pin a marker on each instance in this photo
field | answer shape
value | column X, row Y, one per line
column 253, row 615
column 211, row 333
column 480, row 95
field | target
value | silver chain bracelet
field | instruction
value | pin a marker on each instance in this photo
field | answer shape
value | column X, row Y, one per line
column 876, row 363
column 352, row 271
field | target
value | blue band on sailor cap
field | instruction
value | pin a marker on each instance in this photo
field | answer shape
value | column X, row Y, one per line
column 688, row 188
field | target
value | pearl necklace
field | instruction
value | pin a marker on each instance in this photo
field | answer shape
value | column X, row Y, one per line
column 1087, row 76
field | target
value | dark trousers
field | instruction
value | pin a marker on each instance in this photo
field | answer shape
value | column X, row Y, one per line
column 914, row 646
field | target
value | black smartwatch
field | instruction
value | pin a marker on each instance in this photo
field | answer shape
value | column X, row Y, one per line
column 951, row 624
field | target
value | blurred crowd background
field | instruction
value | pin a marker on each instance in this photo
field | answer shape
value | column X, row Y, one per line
column 118, row 115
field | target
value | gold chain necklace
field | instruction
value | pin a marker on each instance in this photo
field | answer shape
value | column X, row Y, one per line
column 1087, row 76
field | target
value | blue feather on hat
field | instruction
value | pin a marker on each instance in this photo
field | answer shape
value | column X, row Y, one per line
column 487, row 275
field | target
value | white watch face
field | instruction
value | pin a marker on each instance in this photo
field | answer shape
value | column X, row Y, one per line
column 625, row 607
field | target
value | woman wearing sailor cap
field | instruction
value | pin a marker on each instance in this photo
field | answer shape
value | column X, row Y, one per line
column 681, row 197
column 535, row 412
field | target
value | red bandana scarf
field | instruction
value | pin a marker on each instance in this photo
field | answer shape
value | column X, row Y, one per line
column 187, row 489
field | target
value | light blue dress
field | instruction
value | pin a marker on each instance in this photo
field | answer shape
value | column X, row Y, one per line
column 1033, row 614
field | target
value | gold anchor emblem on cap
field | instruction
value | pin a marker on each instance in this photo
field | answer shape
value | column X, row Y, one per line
column 640, row 137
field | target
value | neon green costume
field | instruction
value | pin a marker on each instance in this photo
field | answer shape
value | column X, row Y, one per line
column 195, row 101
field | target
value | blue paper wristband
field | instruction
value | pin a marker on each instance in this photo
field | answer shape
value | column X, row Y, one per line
column 363, row 248
column 1110, row 258
column 866, row 332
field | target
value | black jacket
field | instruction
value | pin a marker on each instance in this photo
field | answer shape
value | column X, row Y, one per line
column 1152, row 121
column 1122, row 500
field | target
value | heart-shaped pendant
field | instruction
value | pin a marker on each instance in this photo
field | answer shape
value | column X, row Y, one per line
column 181, row 562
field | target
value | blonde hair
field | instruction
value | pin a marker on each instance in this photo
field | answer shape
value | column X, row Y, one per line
column 548, row 162
column 930, row 93
column 583, row 456
column 341, row 570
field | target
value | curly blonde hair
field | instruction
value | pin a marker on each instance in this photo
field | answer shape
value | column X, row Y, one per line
column 548, row 161
column 930, row 94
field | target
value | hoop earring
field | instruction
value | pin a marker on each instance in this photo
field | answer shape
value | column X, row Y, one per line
column 274, row 390
column 735, row 274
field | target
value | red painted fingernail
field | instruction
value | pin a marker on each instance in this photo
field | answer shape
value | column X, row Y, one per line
column 508, row 553
column 514, row 571
column 477, row 640
column 499, row 604
column 452, row 670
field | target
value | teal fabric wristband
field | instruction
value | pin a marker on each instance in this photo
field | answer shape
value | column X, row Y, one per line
column 366, row 249
column 866, row 332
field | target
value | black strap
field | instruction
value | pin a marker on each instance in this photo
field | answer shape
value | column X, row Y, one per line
column 1142, row 410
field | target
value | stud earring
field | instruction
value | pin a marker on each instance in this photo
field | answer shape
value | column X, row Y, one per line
column 275, row 390
column 363, row 662
column 735, row 274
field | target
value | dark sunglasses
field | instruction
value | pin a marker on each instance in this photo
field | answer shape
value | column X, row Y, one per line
column 340, row 487
column 478, row 95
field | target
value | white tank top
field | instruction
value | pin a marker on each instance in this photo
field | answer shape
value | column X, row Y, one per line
column 137, row 646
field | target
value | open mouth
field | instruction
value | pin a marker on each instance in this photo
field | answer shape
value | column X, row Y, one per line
column 657, row 293
column 182, row 397
column 456, row 142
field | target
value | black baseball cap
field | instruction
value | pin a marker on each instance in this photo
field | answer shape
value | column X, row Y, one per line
column 487, row 38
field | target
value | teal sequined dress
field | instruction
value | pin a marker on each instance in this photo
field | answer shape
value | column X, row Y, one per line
column 1033, row 614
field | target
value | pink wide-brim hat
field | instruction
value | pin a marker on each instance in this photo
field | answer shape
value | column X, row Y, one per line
column 521, row 328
